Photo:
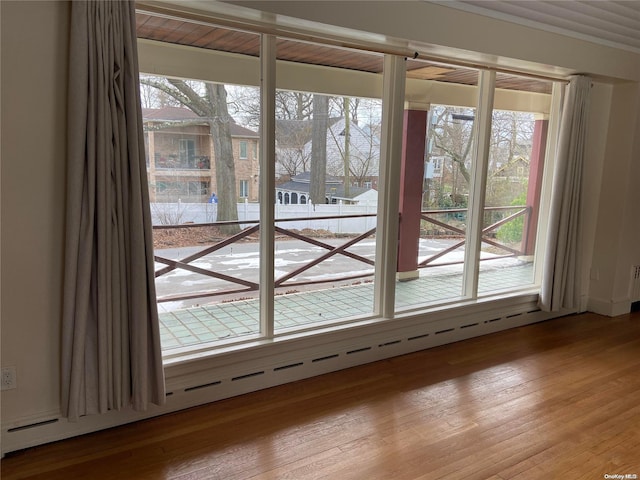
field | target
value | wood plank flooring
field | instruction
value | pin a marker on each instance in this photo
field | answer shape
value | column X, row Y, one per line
column 555, row 400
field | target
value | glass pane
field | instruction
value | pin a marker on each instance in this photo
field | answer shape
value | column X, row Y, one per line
column 514, row 179
column 204, row 209
column 327, row 157
column 444, row 210
column 431, row 243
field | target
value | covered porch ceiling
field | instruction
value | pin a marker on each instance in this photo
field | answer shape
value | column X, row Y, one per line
column 223, row 39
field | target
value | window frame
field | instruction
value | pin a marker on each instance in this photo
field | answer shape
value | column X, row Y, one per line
column 243, row 144
column 186, row 149
column 243, row 188
column 385, row 275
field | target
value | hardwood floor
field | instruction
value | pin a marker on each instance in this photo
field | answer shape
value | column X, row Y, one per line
column 556, row 400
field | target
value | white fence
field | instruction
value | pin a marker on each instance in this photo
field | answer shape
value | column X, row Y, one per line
column 178, row 213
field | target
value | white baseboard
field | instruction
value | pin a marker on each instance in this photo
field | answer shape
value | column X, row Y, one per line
column 609, row 308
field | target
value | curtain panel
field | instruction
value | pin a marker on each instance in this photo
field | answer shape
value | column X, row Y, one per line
column 561, row 285
column 111, row 354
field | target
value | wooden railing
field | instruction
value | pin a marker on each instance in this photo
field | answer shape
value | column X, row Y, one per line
column 452, row 231
column 460, row 233
column 280, row 282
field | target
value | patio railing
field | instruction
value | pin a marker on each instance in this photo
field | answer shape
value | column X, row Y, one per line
column 458, row 232
column 287, row 280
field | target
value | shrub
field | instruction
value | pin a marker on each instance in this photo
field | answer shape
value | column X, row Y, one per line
column 511, row 232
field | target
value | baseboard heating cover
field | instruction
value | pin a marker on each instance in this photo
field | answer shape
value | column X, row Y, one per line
column 196, row 383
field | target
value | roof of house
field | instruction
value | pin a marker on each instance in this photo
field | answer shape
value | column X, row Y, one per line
column 179, row 114
column 305, row 177
column 168, row 114
column 510, row 164
column 333, row 186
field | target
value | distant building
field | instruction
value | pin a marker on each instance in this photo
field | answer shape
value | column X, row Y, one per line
column 296, row 191
column 508, row 182
column 180, row 157
column 515, row 170
column 293, row 151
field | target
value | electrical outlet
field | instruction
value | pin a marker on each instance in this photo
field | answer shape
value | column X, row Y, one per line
column 8, row 379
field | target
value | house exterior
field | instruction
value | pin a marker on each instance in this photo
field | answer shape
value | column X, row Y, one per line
column 293, row 151
column 515, row 170
column 181, row 160
column 508, row 182
column 296, row 191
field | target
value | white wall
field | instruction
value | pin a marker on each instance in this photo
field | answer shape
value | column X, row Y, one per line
column 34, row 73
column 617, row 238
column 34, row 65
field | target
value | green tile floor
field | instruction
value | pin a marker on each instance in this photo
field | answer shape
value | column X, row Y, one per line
column 222, row 321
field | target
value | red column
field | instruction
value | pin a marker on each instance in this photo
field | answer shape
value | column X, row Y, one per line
column 536, row 167
column 411, row 183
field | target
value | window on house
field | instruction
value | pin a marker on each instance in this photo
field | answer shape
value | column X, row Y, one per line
column 244, row 188
column 243, row 149
column 187, row 151
column 198, row 188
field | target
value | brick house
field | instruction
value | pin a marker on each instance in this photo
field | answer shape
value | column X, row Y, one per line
column 181, row 161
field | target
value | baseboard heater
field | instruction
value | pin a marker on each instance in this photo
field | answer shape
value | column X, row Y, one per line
column 272, row 369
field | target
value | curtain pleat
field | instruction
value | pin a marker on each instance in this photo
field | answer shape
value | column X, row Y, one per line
column 561, row 285
column 111, row 354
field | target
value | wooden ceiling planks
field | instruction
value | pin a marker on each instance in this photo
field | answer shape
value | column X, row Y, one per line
column 246, row 43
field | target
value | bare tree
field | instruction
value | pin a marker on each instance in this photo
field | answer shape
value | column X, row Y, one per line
column 294, row 105
column 209, row 101
column 363, row 162
column 452, row 136
column 292, row 157
column 317, row 188
column 347, row 147
column 245, row 101
column 357, row 149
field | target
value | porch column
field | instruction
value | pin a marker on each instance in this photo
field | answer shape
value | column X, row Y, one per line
column 536, row 167
column 411, row 184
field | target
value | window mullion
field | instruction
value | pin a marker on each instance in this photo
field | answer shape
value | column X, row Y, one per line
column 267, row 181
column 475, row 212
column 393, row 91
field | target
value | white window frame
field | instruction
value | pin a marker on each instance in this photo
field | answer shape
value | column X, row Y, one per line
column 243, row 188
column 243, row 144
column 159, row 59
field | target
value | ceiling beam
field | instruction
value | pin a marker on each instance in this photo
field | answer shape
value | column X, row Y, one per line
column 159, row 58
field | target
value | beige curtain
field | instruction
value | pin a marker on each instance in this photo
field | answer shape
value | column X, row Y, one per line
column 561, row 286
column 111, row 356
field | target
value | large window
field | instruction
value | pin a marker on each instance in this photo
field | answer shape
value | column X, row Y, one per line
column 289, row 241
column 512, row 200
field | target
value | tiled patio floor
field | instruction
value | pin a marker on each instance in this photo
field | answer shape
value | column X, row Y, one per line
column 223, row 321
